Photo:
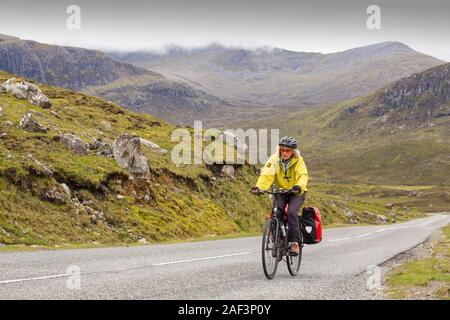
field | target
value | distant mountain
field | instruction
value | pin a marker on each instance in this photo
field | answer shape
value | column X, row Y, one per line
column 397, row 135
column 93, row 72
column 282, row 77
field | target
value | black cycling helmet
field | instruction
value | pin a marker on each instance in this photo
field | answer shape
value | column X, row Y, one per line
column 288, row 142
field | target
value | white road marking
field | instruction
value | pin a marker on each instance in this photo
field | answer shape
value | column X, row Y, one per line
column 200, row 259
column 36, row 278
column 398, row 227
column 342, row 239
column 381, row 230
column 364, row 235
column 120, row 269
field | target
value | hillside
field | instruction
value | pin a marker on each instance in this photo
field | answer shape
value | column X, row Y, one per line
column 77, row 169
column 92, row 72
column 398, row 135
column 282, row 77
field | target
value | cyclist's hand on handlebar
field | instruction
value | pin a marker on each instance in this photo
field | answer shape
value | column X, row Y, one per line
column 256, row 190
column 297, row 189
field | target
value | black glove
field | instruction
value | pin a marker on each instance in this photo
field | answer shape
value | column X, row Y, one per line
column 297, row 189
column 255, row 190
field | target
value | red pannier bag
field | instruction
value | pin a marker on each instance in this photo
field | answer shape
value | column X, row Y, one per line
column 311, row 225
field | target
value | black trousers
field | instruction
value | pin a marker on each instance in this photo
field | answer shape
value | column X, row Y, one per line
column 295, row 202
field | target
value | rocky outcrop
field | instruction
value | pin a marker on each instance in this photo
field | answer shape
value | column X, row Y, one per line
column 228, row 170
column 26, row 90
column 38, row 168
column 66, row 190
column 149, row 143
column 55, row 114
column 429, row 89
column 222, row 170
column 67, row 67
column 382, row 219
column 101, row 148
column 72, row 142
column 153, row 146
column 128, row 155
column 56, row 195
column 29, row 123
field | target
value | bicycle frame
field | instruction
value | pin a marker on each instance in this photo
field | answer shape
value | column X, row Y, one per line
column 281, row 240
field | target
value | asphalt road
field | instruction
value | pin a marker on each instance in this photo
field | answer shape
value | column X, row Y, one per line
column 221, row 269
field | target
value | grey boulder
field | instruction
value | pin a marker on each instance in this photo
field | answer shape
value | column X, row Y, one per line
column 127, row 153
column 101, row 148
column 26, row 90
column 29, row 123
column 73, row 143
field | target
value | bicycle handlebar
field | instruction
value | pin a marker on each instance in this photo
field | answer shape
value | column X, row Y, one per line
column 275, row 192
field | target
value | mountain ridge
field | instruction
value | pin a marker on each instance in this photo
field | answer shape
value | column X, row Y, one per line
column 275, row 76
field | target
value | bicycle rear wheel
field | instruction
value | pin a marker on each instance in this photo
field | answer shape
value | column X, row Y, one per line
column 270, row 252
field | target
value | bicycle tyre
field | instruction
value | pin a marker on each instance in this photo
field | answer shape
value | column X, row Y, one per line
column 294, row 262
column 270, row 267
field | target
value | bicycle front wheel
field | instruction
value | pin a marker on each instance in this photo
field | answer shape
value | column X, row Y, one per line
column 293, row 262
column 270, row 251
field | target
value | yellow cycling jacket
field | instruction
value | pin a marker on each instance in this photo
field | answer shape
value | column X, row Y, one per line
column 296, row 174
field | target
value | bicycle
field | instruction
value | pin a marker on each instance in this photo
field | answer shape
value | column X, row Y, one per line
column 275, row 243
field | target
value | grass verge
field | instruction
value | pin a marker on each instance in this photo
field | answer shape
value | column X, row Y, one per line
column 427, row 278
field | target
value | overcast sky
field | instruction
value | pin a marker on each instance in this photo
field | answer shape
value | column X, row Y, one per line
column 319, row 25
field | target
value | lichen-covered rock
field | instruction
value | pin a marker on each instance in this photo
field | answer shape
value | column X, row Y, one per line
column 39, row 168
column 41, row 100
column 153, row 146
column 55, row 114
column 29, row 123
column 382, row 219
column 66, row 190
column 26, row 90
column 101, row 148
column 228, row 170
column 127, row 153
column 54, row 195
column 73, row 143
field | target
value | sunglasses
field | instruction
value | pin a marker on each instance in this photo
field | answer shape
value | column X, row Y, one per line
column 286, row 150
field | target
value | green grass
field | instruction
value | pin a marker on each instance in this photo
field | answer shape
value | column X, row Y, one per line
column 412, row 278
column 184, row 203
column 409, row 188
